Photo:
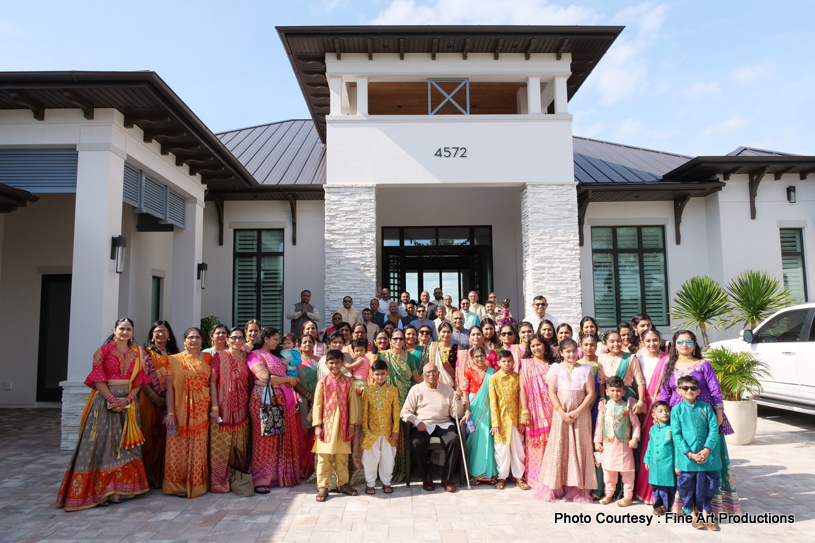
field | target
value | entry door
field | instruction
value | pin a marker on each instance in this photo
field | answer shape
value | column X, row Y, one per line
column 453, row 281
column 55, row 311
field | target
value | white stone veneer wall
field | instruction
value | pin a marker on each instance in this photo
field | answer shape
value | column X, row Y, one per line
column 74, row 398
column 350, row 246
column 551, row 252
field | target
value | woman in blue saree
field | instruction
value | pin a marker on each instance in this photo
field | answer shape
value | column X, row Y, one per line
column 480, row 447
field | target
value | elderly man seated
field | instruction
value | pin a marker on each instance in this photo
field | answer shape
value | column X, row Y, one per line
column 429, row 407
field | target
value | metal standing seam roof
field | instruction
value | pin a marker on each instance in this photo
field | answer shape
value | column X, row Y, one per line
column 752, row 151
column 282, row 153
column 604, row 162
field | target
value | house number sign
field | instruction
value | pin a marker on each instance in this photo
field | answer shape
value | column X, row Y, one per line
column 451, row 152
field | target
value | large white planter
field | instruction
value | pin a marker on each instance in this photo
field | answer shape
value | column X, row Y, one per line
column 743, row 417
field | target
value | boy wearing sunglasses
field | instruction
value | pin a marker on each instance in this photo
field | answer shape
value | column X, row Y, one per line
column 695, row 434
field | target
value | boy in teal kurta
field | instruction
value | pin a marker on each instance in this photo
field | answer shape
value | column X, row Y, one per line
column 695, row 436
column 659, row 459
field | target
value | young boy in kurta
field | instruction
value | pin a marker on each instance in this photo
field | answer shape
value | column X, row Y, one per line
column 659, row 459
column 504, row 389
column 380, row 424
column 695, row 434
column 335, row 416
column 616, row 435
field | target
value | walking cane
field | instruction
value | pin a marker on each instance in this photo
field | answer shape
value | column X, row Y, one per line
column 461, row 442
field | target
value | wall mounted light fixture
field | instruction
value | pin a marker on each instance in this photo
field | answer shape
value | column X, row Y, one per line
column 117, row 252
column 791, row 194
column 202, row 274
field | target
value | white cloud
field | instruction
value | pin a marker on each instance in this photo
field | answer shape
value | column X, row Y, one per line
column 519, row 12
column 623, row 72
column 631, row 128
column 734, row 122
column 703, row 90
column 750, row 72
column 323, row 7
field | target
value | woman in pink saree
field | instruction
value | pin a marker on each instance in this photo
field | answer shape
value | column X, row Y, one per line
column 652, row 362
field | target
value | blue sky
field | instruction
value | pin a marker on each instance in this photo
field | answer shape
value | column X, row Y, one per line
column 686, row 76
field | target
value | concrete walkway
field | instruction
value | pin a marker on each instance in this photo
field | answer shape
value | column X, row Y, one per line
column 776, row 474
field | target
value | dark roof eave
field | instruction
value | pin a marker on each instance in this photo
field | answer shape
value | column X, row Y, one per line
column 294, row 190
column 161, row 91
column 699, row 163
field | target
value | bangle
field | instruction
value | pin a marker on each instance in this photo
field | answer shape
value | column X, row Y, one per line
column 525, row 412
column 170, row 414
column 214, row 408
column 111, row 398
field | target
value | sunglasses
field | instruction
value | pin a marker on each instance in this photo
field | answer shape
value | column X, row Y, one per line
column 688, row 342
column 687, row 388
column 540, row 305
column 425, row 332
column 507, row 333
column 397, row 339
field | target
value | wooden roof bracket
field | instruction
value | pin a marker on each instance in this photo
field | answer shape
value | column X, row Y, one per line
column 467, row 44
column 401, row 48
column 755, row 179
column 679, row 208
column 583, row 200
column 219, row 208
column 498, row 47
column 293, row 207
column 337, row 49
column 562, row 48
column 370, row 49
column 726, row 175
column 25, row 99
column 435, row 49
column 777, row 175
column 532, row 43
column 81, row 103
column 803, row 175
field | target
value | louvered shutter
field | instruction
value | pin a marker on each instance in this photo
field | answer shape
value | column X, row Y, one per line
column 605, row 291
column 131, row 193
column 654, row 274
column 792, row 262
column 154, row 198
column 176, row 212
column 40, row 171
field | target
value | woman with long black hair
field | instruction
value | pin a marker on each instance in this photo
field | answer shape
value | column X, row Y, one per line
column 107, row 463
column 160, row 345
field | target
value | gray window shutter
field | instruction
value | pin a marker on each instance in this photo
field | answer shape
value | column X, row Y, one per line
column 41, row 171
column 132, row 191
column 154, row 197
column 176, row 212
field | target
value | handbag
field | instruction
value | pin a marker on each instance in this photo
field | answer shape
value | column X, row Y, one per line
column 272, row 420
column 241, row 482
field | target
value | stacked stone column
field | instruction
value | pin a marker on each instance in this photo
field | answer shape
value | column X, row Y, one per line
column 350, row 245
column 551, row 252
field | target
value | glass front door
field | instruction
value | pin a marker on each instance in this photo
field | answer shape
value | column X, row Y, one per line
column 457, row 259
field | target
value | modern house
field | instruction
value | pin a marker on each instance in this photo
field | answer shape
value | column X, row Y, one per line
column 434, row 156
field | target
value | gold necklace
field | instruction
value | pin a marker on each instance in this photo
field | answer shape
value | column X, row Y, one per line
column 685, row 358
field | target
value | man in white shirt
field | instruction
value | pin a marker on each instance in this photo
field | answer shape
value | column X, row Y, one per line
column 349, row 314
column 476, row 307
column 432, row 407
column 539, row 304
column 470, row 318
column 404, row 298
column 384, row 296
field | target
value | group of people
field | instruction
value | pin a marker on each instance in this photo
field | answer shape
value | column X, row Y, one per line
column 527, row 403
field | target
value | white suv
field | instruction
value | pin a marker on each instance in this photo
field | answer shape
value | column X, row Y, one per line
column 786, row 343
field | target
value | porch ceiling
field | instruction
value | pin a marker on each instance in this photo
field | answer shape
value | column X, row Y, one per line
column 307, row 46
column 146, row 101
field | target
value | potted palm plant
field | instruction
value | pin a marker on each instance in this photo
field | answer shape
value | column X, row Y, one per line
column 700, row 302
column 739, row 373
column 754, row 295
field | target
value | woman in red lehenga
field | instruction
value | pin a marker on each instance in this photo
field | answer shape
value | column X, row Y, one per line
column 229, row 416
column 275, row 459
column 107, row 464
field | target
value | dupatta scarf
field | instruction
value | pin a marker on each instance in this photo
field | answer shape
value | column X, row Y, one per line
column 191, row 385
column 233, row 391
column 533, row 377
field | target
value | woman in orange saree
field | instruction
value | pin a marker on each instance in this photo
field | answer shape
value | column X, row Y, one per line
column 152, row 402
column 107, row 464
column 186, row 471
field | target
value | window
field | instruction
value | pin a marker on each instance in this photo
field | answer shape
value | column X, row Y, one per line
column 783, row 328
column 155, row 300
column 258, row 277
column 792, row 262
column 629, row 274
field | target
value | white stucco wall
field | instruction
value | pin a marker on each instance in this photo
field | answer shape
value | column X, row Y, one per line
column 454, row 206
column 303, row 264
column 37, row 240
column 148, row 254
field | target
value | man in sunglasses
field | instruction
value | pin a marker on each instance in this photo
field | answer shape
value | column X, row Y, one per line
column 423, row 318
column 695, row 433
column 539, row 305
column 349, row 314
